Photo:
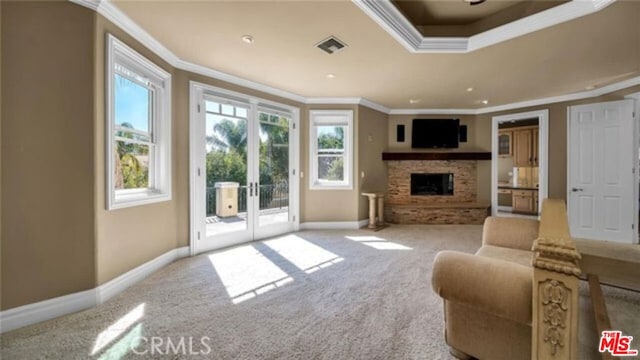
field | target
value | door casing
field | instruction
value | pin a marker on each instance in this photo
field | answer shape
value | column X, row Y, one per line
column 197, row 172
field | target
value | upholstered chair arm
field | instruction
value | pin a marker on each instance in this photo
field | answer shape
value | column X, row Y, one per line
column 497, row 287
column 510, row 232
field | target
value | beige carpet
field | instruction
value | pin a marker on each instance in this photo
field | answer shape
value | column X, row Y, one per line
column 310, row 295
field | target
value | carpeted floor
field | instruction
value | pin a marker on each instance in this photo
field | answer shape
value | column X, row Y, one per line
column 308, row 295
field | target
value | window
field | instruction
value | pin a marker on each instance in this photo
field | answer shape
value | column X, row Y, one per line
column 331, row 156
column 138, row 144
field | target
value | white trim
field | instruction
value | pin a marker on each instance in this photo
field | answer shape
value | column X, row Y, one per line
column 115, row 286
column 51, row 308
column 334, row 225
column 636, row 144
column 543, row 150
column 433, row 112
column 387, row 16
column 197, row 92
column 202, row 70
column 331, row 117
column 46, row 310
column 529, row 103
column 160, row 171
column 113, row 14
column 505, row 208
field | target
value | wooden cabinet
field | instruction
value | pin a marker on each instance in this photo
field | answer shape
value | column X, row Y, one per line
column 523, row 201
column 505, row 143
column 525, row 147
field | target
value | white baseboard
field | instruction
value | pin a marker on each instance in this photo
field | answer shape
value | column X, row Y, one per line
column 115, row 286
column 48, row 309
column 333, row 225
column 45, row 310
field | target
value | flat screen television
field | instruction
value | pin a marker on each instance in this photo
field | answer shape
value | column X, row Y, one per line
column 435, row 133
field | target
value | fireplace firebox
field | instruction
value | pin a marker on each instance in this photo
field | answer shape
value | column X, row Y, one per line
column 432, row 184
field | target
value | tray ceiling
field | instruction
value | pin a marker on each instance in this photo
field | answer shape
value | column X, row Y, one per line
column 590, row 51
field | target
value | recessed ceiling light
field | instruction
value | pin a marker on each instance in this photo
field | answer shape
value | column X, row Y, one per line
column 485, row 102
column 474, row 2
column 469, row 89
column 414, row 101
column 590, row 87
column 331, row 76
column 248, row 39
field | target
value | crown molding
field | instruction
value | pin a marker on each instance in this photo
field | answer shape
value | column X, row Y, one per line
column 348, row 101
column 387, row 16
column 203, row 70
column 432, row 112
column 523, row 104
column 115, row 15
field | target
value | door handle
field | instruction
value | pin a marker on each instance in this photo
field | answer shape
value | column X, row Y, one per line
column 577, row 189
column 250, row 189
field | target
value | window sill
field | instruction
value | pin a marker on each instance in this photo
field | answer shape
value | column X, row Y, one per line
column 330, row 186
column 132, row 199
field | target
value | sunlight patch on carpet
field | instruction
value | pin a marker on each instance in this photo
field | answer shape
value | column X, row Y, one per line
column 378, row 243
column 305, row 255
column 118, row 328
column 246, row 273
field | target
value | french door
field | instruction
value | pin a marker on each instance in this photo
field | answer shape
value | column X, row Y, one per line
column 244, row 170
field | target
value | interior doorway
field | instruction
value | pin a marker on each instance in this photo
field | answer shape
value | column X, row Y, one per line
column 519, row 166
column 244, row 156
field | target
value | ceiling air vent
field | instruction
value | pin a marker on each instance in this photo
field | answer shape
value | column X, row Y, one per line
column 331, row 45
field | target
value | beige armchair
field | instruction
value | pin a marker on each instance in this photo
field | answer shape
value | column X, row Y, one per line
column 488, row 296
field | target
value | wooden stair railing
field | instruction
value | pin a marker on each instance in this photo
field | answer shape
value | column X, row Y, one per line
column 555, row 286
column 599, row 310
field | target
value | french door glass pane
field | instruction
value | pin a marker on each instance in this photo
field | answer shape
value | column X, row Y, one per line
column 226, row 169
column 273, row 169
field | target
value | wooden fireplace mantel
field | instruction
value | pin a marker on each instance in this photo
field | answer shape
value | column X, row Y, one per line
column 436, row 155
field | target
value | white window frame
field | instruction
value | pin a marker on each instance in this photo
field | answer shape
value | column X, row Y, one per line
column 324, row 118
column 119, row 54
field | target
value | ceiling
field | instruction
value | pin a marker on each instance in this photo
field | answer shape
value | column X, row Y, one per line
column 593, row 50
column 458, row 18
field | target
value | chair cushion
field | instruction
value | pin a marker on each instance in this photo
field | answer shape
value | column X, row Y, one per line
column 521, row 257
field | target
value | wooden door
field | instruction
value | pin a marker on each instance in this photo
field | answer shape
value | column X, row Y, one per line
column 522, row 148
column 534, row 145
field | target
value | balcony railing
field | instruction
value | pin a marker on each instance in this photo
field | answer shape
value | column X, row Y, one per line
column 272, row 196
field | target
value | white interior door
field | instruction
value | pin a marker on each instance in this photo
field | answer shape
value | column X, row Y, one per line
column 243, row 159
column 600, row 183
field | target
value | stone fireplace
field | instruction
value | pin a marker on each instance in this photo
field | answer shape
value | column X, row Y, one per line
column 433, row 192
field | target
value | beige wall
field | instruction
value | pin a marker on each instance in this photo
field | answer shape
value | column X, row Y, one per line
column 372, row 141
column 128, row 237
column 47, row 151
column 327, row 205
column 406, row 120
column 557, row 140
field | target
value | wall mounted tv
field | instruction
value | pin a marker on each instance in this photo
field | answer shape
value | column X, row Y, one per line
column 435, row 133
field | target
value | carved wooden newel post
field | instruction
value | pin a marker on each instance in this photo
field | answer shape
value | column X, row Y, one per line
column 555, row 287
